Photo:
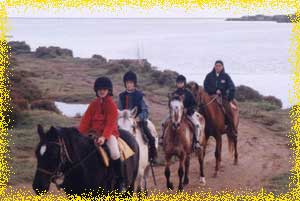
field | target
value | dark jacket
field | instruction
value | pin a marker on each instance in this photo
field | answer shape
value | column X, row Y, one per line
column 129, row 100
column 222, row 82
column 189, row 100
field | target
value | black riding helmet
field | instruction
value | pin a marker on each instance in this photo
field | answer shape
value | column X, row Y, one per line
column 103, row 83
column 181, row 78
column 130, row 76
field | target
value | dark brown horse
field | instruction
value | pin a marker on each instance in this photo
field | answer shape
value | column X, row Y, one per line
column 178, row 140
column 215, row 123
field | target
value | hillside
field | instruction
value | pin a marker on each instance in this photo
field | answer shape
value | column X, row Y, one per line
column 53, row 74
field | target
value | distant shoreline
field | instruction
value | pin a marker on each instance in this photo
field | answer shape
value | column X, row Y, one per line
column 188, row 18
column 274, row 18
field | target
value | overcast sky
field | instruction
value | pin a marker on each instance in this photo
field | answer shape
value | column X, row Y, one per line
column 137, row 12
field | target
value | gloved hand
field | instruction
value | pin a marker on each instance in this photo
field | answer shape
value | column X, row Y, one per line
column 190, row 111
column 101, row 140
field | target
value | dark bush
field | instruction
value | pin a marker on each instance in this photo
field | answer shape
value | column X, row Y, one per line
column 52, row 52
column 273, row 100
column 244, row 93
column 115, row 68
column 100, row 59
column 18, row 47
column 44, row 105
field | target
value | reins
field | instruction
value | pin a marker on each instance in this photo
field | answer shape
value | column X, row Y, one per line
column 205, row 105
column 64, row 157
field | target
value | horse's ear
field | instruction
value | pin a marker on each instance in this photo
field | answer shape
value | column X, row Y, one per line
column 133, row 112
column 40, row 131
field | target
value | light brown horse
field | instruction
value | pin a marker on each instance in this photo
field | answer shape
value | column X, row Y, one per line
column 215, row 123
column 178, row 141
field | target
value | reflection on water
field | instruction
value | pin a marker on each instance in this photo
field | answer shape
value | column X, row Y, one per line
column 70, row 109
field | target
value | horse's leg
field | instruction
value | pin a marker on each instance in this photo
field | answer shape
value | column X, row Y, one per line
column 187, row 168
column 201, row 163
column 235, row 150
column 204, row 146
column 181, row 171
column 218, row 154
column 145, row 185
column 139, row 185
column 167, row 172
column 146, row 174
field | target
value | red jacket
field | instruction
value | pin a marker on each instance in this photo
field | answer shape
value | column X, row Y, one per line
column 101, row 117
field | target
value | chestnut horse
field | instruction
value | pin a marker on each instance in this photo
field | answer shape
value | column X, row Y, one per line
column 215, row 123
column 178, row 141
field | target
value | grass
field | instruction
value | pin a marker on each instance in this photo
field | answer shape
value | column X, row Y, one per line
column 24, row 139
column 274, row 119
column 279, row 184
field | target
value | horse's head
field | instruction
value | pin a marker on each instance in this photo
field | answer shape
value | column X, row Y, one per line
column 126, row 120
column 49, row 158
column 176, row 109
column 193, row 87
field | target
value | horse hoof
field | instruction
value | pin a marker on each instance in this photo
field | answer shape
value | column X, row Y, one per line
column 180, row 189
column 202, row 181
column 186, row 181
column 170, row 186
column 235, row 162
column 215, row 175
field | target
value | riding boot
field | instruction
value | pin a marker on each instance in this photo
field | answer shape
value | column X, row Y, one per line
column 196, row 133
column 119, row 171
column 151, row 140
column 229, row 119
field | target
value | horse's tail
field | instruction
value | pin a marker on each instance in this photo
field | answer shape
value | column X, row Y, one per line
column 230, row 145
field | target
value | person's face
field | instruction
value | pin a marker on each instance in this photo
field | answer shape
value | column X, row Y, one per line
column 180, row 85
column 130, row 85
column 102, row 93
column 218, row 67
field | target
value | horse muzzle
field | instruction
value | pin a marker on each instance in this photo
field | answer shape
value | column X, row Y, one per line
column 175, row 125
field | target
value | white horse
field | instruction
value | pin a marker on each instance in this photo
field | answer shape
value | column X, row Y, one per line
column 127, row 122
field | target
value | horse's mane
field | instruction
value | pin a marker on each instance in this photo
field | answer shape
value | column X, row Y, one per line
column 175, row 97
column 125, row 114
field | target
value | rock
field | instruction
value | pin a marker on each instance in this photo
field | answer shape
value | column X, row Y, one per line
column 52, row 52
column 19, row 47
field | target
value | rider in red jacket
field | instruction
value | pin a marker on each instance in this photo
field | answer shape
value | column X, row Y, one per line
column 101, row 119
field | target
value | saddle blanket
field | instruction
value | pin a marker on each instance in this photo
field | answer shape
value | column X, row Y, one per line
column 125, row 151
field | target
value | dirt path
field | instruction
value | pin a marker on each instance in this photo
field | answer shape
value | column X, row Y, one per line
column 262, row 155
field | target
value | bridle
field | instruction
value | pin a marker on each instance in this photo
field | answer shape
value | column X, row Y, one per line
column 64, row 155
column 64, row 158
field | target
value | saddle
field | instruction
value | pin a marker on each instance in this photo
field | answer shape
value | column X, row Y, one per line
column 125, row 151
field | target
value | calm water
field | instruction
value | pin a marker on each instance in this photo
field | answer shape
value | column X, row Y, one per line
column 254, row 53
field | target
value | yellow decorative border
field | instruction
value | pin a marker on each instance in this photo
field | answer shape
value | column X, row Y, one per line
column 8, row 193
